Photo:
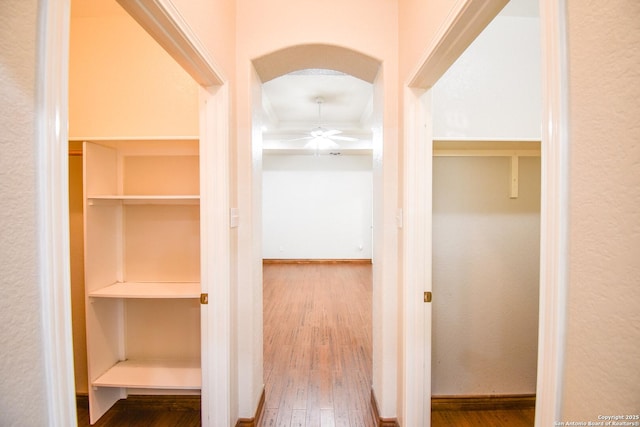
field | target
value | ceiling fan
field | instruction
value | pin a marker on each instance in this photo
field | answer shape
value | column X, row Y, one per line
column 322, row 138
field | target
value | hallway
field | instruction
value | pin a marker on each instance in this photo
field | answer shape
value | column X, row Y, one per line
column 317, row 345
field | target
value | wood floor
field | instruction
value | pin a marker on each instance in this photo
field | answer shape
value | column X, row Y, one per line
column 317, row 358
column 484, row 418
column 145, row 411
column 317, row 345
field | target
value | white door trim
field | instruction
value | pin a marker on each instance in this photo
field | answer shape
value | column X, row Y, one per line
column 416, row 261
column 52, row 172
column 554, row 212
column 215, row 257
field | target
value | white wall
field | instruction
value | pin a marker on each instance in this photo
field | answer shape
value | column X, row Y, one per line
column 23, row 377
column 317, row 207
column 493, row 90
column 485, row 276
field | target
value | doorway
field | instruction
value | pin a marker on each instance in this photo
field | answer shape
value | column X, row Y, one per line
column 317, row 178
column 419, row 140
column 486, row 216
column 143, row 124
column 341, row 60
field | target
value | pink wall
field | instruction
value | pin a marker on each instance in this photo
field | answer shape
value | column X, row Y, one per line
column 419, row 23
column 214, row 23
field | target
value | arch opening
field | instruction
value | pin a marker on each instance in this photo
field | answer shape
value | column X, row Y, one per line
column 306, row 56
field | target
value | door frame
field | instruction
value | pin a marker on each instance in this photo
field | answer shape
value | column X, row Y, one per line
column 465, row 22
column 52, row 198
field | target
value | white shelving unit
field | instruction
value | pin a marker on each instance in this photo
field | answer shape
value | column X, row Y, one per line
column 142, row 269
column 152, row 374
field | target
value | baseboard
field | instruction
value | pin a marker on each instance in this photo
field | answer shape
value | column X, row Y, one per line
column 381, row 422
column 315, row 261
column 253, row 422
column 483, row 402
column 151, row 402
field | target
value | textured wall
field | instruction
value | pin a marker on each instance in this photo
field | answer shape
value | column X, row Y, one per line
column 22, row 394
column 602, row 374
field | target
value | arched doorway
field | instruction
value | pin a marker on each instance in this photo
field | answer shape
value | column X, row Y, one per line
column 384, row 306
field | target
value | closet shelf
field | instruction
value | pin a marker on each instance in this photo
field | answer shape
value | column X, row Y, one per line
column 157, row 374
column 145, row 199
column 501, row 148
column 149, row 290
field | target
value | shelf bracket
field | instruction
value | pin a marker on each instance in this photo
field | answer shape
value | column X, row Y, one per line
column 514, row 177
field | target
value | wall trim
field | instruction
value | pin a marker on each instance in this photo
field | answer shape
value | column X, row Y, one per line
column 381, row 422
column 483, row 402
column 315, row 261
column 253, row 422
column 554, row 222
column 52, row 177
column 416, row 260
column 215, row 263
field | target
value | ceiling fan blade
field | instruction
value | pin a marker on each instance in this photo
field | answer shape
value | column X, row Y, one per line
column 299, row 139
column 344, row 138
column 332, row 132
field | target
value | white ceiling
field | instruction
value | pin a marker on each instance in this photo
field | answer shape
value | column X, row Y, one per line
column 292, row 110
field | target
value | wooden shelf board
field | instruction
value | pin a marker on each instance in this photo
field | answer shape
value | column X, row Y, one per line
column 133, row 138
column 456, row 147
column 149, row 290
column 185, row 375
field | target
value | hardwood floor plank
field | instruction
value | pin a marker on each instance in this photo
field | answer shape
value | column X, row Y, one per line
column 317, row 325
column 284, row 418
column 327, row 418
column 299, row 418
column 269, row 417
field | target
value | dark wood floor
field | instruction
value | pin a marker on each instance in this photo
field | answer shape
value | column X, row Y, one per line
column 147, row 411
column 317, row 358
column 484, row 418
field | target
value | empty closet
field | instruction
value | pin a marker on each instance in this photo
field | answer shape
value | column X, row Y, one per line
column 486, row 212
column 136, row 113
